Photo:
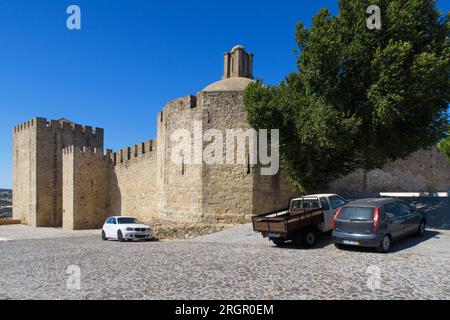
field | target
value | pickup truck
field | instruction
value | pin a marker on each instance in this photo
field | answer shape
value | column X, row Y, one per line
column 302, row 221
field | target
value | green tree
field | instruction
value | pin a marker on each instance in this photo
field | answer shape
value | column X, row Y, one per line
column 360, row 97
column 444, row 147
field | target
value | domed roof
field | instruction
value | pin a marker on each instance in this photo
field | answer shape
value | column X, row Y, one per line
column 229, row 84
column 239, row 46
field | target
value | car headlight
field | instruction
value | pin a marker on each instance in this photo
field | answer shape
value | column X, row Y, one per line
column 128, row 229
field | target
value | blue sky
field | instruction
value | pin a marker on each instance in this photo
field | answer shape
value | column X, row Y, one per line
column 131, row 57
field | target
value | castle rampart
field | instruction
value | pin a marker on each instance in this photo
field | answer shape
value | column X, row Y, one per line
column 86, row 187
column 62, row 177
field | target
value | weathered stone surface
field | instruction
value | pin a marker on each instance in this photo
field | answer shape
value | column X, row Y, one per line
column 86, row 188
column 37, row 167
column 78, row 189
column 423, row 171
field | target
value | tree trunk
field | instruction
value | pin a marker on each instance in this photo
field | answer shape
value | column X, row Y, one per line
column 364, row 182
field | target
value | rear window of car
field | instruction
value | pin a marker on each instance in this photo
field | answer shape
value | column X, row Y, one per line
column 305, row 203
column 356, row 213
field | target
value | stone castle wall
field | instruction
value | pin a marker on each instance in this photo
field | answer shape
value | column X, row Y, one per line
column 227, row 188
column 133, row 181
column 423, row 171
column 234, row 192
column 179, row 185
column 24, row 172
column 86, row 187
column 62, row 178
column 78, row 186
column 38, row 144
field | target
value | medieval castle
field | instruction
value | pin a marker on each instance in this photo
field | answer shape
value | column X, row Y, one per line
column 62, row 177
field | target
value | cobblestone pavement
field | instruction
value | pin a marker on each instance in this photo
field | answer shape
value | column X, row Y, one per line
column 233, row 264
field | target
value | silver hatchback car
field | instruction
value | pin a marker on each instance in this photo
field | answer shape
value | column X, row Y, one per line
column 376, row 223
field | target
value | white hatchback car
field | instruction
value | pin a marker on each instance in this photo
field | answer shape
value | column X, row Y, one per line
column 126, row 228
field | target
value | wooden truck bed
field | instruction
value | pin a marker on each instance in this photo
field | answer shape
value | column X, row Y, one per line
column 285, row 221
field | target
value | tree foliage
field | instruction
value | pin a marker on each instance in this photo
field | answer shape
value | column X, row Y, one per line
column 360, row 97
column 444, row 147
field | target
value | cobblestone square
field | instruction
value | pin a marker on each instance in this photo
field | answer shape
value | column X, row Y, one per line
column 233, row 264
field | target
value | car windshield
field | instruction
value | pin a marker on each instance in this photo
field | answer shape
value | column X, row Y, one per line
column 356, row 213
column 128, row 221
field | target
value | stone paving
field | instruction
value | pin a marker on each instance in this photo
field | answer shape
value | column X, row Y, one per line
column 214, row 269
column 233, row 264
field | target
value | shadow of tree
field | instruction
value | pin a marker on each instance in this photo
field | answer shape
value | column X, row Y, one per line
column 436, row 209
column 399, row 245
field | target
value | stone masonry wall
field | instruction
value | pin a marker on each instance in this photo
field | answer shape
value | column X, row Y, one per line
column 24, row 172
column 234, row 192
column 227, row 188
column 272, row 192
column 133, row 181
column 179, row 186
column 52, row 137
column 86, row 188
column 38, row 175
column 423, row 171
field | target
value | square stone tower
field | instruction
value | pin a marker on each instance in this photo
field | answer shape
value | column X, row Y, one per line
column 37, row 167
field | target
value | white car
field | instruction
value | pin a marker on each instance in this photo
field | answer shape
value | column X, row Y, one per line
column 126, row 228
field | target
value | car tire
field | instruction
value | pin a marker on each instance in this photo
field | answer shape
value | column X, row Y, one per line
column 278, row 242
column 339, row 246
column 104, row 238
column 309, row 238
column 421, row 230
column 120, row 236
column 385, row 244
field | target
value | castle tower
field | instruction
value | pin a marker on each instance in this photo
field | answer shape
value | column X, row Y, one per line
column 238, row 63
column 37, row 167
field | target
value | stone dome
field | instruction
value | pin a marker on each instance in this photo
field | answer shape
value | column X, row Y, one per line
column 229, row 84
column 239, row 46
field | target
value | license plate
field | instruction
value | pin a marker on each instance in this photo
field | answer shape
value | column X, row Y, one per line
column 273, row 235
column 352, row 243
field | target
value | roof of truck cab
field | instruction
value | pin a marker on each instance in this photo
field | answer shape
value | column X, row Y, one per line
column 317, row 196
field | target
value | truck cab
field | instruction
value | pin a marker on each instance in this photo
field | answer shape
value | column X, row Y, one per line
column 329, row 203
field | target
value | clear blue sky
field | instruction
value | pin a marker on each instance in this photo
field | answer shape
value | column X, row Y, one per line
column 131, row 57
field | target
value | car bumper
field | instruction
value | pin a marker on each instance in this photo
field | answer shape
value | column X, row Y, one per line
column 138, row 235
column 363, row 240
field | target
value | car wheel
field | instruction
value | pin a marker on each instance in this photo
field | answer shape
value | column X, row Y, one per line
column 278, row 242
column 421, row 229
column 309, row 238
column 338, row 246
column 120, row 236
column 104, row 238
column 385, row 244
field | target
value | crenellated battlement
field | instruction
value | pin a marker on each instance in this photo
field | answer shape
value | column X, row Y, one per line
column 62, row 124
column 184, row 103
column 136, row 151
column 92, row 152
column 25, row 125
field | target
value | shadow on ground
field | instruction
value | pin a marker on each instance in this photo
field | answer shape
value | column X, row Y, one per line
column 399, row 245
column 323, row 241
column 437, row 210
